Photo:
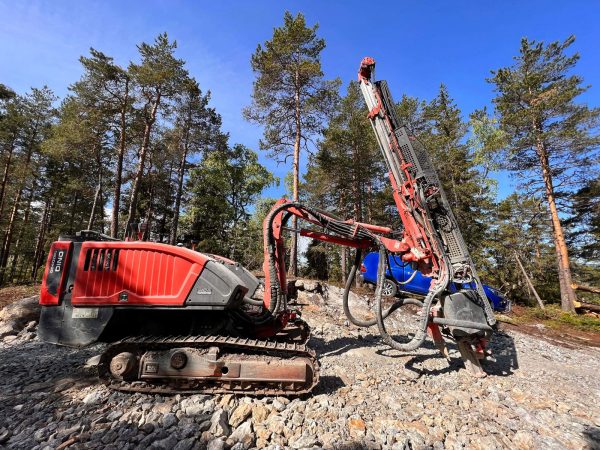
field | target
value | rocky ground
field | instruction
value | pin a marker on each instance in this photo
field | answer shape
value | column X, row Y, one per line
column 538, row 395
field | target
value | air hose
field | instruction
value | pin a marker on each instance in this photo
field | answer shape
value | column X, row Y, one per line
column 421, row 333
column 253, row 302
column 345, row 298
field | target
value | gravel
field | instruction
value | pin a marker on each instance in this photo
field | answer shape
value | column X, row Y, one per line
column 538, row 395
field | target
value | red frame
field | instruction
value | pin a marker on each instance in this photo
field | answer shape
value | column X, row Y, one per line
column 46, row 297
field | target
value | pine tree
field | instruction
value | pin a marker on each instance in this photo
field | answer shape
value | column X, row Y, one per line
column 106, row 87
column 222, row 188
column 551, row 138
column 196, row 130
column 346, row 175
column 290, row 97
column 158, row 78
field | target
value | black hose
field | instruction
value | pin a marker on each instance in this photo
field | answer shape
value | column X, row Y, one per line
column 346, row 302
column 253, row 302
column 345, row 297
column 419, row 337
column 256, row 320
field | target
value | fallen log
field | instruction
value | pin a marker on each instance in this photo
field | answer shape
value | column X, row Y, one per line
column 585, row 288
column 588, row 307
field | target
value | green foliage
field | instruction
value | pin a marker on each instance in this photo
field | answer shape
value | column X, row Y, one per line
column 520, row 226
column 536, row 102
column 160, row 73
column 222, row 188
column 553, row 317
column 487, row 140
column 6, row 93
column 250, row 250
column 318, row 260
column 290, row 98
column 347, row 170
column 584, row 223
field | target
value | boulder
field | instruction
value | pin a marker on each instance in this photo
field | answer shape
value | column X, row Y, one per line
column 21, row 312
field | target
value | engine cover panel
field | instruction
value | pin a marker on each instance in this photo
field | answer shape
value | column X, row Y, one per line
column 217, row 287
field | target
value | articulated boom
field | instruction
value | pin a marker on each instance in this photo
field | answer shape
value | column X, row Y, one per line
column 429, row 222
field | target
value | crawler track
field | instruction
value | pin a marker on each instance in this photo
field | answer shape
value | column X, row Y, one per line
column 231, row 350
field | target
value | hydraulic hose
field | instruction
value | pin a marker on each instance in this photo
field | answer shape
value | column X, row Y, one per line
column 346, row 302
column 345, row 298
column 421, row 333
column 409, row 278
column 253, row 302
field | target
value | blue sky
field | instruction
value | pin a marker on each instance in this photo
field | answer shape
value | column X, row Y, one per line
column 417, row 44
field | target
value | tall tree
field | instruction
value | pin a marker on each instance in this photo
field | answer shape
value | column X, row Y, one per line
column 196, row 130
column 290, row 97
column 552, row 139
column 106, row 87
column 443, row 134
column 38, row 114
column 158, row 78
column 222, row 188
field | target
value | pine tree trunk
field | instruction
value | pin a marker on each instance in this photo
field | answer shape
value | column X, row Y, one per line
column 72, row 213
column 95, row 205
column 101, row 209
column 567, row 294
column 344, row 262
column 9, row 232
column 114, row 224
column 39, row 244
column 180, row 175
column 369, row 201
column 13, row 264
column 142, row 159
column 5, row 177
column 293, row 272
column 149, row 215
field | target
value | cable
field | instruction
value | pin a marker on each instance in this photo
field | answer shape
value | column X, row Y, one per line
column 253, row 302
column 419, row 337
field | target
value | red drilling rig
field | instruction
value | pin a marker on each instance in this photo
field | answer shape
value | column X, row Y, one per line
column 182, row 321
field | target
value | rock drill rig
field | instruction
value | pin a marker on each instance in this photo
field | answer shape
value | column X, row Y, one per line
column 177, row 320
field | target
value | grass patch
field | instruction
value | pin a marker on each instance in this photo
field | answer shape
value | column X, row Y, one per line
column 554, row 317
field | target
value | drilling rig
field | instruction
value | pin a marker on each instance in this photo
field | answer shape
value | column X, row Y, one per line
column 177, row 320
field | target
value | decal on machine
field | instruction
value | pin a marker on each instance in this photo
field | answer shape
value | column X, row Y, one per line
column 85, row 313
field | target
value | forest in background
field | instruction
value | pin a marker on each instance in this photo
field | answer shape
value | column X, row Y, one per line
column 142, row 144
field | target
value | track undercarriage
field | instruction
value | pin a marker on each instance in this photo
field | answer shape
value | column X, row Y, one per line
column 211, row 364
